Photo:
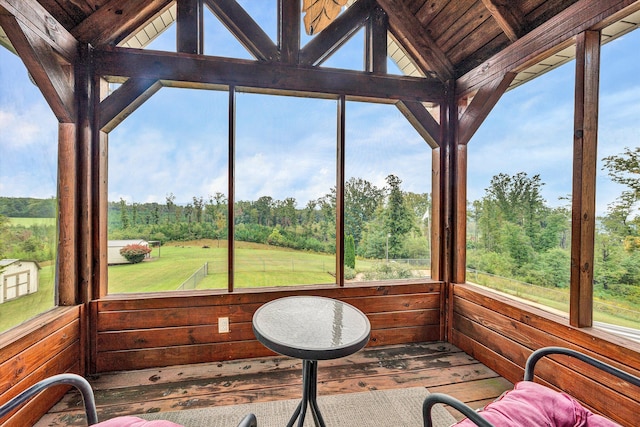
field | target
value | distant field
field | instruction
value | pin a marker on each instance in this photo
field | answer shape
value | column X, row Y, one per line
column 27, row 222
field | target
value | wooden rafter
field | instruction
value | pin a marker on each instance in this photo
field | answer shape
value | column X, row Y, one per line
column 481, row 105
column 422, row 121
column 116, row 19
column 30, row 14
column 125, row 100
column 323, row 45
column 244, row 28
column 54, row 81
column 552, row 36
column 269, row 77
column 508, row 19
column 409, row 32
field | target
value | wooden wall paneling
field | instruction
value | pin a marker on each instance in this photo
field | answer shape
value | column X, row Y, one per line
column 583, row 206
column 45, row 346
column 502, row 335
column 142, row 333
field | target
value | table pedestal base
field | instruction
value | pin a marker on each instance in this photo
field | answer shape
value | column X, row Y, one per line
column 309, row 394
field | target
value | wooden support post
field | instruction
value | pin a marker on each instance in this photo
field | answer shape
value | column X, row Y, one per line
column 585, row 141
column 340, row 172
column 376, row 42
column 289, row 30
column 448, row 123
column 189, row 26
column 67, row 220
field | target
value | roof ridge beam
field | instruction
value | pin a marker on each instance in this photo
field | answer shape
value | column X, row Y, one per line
column 511, row 23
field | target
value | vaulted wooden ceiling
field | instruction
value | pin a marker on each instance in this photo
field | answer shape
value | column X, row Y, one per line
column 446, row 38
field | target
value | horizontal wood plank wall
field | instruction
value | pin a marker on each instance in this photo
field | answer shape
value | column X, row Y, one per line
column 45, row 346
column 145, row 331
column 502, row 333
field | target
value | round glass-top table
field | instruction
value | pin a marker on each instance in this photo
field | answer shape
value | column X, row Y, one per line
column 311, row 328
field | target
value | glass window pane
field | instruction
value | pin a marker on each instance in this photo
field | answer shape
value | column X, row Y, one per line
column 285, row 191
column 387, row 195
column 617, row 243
column 519, row 186
column 28, row 203
column 168, row 193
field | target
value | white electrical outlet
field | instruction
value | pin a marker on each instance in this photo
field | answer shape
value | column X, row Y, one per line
column 223, row 325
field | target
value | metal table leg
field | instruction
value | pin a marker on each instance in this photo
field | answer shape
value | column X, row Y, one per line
column 309, row 395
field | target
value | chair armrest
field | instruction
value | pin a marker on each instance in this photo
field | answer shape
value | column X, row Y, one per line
column 545, row 351
column 249, row 421
column 434, row 398
column 67, row 379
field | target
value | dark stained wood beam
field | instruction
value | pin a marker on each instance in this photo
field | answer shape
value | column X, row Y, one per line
column 189, row 26
column 583, row 207
column 53, row 80
column 422, row 121
column 329, row 40
column 32, row 15
column 124, row 101
column 117, row 19
column 376, row 42
column 289, row 30
column 341, row 127
column 508, row 17
column 481, row 105
column 548, row 38
column 244, row 28
column 410, row 33
column 205, row 71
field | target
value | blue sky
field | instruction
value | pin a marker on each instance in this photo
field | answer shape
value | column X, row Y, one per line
column 177, row 141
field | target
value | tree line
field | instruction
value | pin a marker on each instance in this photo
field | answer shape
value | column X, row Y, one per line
column 383, row 222
column 27, row 207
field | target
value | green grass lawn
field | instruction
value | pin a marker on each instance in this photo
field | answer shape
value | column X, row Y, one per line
column 28, row 222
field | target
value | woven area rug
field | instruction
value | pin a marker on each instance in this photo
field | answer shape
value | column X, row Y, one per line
column 380, row 408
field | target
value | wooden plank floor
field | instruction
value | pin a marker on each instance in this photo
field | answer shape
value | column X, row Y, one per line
column 440, row 367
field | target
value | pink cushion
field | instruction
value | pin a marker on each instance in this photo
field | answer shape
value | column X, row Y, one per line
column 530, row 404
column 135, row 422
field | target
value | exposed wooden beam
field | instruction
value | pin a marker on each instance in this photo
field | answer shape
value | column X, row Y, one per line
column 376, row 42
column 32, row 15
column 548, row 38
column 410, row 33
column 244, row 28
column 125, row 100
column 289, row 30
column 189, row 26
column 206, row 71
column 422, row 121
column 54, row 81
column 116, row 19
column 481, row 105
column 583, row 207
column 324, row 44
column 507, row 18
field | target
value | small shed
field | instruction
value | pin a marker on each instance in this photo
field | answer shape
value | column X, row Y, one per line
column 114, row 246
column 18, row 278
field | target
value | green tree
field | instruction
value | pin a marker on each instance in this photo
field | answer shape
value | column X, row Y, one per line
column 349, row 252
column 398, row 219
column 124, row 217
column 361, row 198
